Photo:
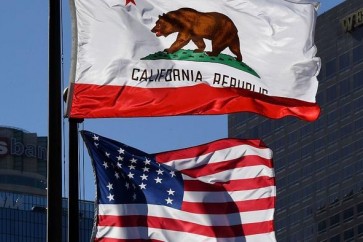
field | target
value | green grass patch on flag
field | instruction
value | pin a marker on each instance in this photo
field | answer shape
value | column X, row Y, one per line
column 190, row 55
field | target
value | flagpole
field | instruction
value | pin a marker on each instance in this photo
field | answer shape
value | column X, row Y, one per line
column 73, row 184
column 54, row 155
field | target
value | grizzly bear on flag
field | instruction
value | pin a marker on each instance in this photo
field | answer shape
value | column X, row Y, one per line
column 195, row 26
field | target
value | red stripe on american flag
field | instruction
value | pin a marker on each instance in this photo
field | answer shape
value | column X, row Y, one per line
column 105, row 239
column 196, row 151
column 232, row 185
column 229, row 207
column 212, row 168
column 105, row 101
column 185, row 226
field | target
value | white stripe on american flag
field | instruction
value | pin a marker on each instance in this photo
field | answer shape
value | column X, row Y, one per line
column 219, row 156
column 236, row 173
column 168, row 235
column 167, row 212
column 220, row 197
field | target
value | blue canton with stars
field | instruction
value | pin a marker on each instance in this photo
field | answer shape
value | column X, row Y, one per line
column 126, row 175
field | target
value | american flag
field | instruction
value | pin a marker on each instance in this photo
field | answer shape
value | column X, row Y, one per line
column 220, row 191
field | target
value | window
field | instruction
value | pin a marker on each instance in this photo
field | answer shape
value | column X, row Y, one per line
column 346, row 151
column 344, row 87
column 358, row 103
column 307, row 129
column 358, row 146
column 347, row 172
column 330, row 68
column 333, row 136
column 336, row 238
column 320, row 97
column 306, row 150
column 334, row 220
column 308, row 190
column 360, row 229
column 266, row 127
column 348, row 235
column 344, row 61
column 319, row 144
column 321, row 227
column 346, row 130
column 358, row 124
column 293, row 137
column 332, row 117
column 332, row 93
column 345, row 111
column 357, row 54
column 348, row 214
column 308, row 170
column 358, row 167
column 319, row 124
column 360, row 208
column 358, row 79
column 321, row 184
column 308, row 231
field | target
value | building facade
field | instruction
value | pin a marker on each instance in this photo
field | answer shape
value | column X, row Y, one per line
column 23, row 201
column 23, row 161
column 319, row 165
column 23, row 218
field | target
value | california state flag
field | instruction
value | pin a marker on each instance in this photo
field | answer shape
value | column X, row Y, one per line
column 141, row 58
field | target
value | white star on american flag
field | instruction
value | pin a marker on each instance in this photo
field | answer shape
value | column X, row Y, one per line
column 160, row 172
column 109, row 186
column 110, row 197
column 105, row 164
column 117, row 175
column 143, row 177
column 147, row 161
column 95, row 137
column 158, row 180
column 133, row 160
column 146, row 169
column 142, row 186
column 169, row 201
column 121, row 151
column 170, row 192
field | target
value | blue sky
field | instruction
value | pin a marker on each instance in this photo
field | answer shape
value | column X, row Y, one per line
column 24, row 90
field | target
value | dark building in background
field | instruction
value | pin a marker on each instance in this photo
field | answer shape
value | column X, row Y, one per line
column 319, row 165
column 23, row 161
column 23, row 201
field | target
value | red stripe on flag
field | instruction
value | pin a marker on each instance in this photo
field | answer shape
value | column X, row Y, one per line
column 212, row 168
column 189, row 227
column 229, row 207
column 232, row 185
column 94, row 101
column 192, row 152
column 105, row 239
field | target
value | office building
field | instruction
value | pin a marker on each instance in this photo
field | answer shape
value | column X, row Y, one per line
column 23, row 161
column 23, row 201
column 319, row 165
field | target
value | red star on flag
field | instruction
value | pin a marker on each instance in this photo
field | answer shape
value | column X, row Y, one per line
column 130, row 1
